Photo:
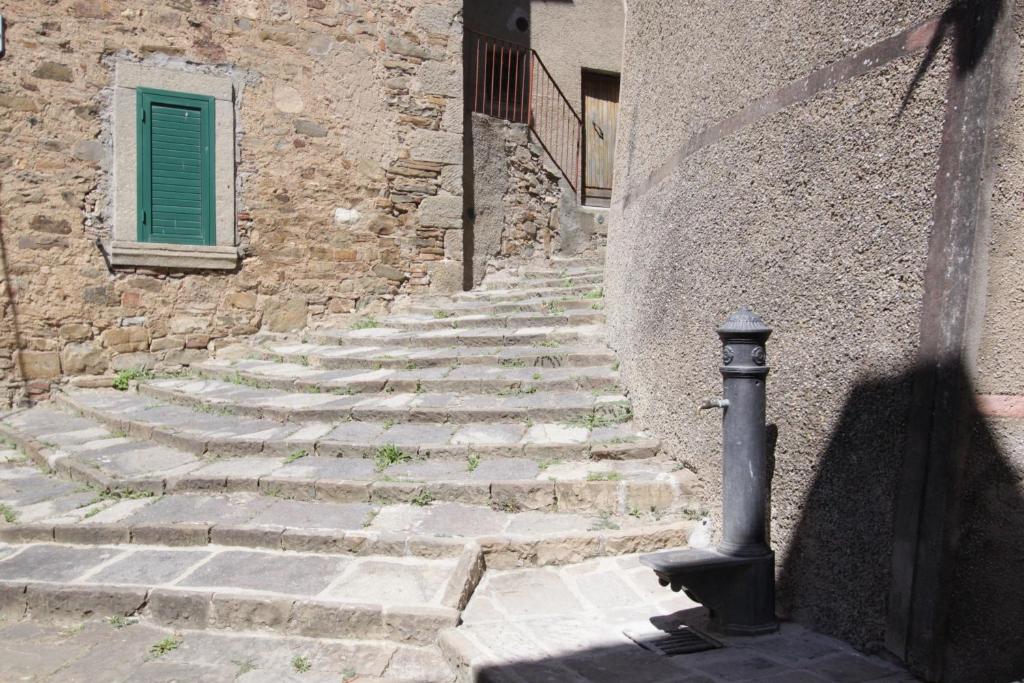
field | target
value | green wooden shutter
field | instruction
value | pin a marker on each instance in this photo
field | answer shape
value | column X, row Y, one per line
column 175, row 167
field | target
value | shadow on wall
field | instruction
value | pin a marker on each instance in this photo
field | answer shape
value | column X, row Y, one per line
column 837, row 574
column 972, row 23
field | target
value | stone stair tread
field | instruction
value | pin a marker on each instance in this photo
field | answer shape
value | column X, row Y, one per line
column 445, row 407
column 417, row 306
column 397, row 356
column 114, row 415
column 481, row 336
column 283, row 375
column 569, row 317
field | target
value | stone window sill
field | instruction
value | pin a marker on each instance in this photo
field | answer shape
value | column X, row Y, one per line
column 124, row 254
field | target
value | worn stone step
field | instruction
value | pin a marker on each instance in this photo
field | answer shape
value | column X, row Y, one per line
column 484, row 336
column 549, row 272
column 552, row 317
column 63, row 648
column 452, row 407
column 473, row 379
column 496, row 282
column 592, row 301
column 548, row 354
column 399, row 599
column 221, row 434
column 508, row 295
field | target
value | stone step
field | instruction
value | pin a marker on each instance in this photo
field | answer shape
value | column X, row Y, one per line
column 223, row 434
column 496, row 282
column 514, row 295
column 399, row 599
column 475, row 379
column 135, row 649
column 551, row 317
column 548, row 354
column 537, row 305
column 571, row 407
column 548, row 273
column 484, row 336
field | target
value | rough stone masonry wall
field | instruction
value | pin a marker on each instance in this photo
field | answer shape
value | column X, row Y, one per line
column 338, row 105
column 818, row 216
column 522, row 206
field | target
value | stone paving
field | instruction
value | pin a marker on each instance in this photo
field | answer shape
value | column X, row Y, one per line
column 568, row 625
column 329, row 506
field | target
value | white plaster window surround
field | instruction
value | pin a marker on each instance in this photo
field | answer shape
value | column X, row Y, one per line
column 125, row 248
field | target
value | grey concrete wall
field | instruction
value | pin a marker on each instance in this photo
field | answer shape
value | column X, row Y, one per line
column 818, row 216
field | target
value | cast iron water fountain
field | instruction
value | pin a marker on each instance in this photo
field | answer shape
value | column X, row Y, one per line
column 736, row 580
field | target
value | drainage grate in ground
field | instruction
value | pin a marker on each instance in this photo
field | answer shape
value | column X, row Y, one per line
column 682, row 641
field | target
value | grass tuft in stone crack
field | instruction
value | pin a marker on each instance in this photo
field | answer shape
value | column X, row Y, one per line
column 472, row 462
column 604, row 522
column 441, row 315
column 603, row 476
column 300, row 663
column 369, row 322
column 297, row 455
column 8, row 513
column 168, row 644
column 595, row 294
column 388, row 455
column 119, row 621
column 422, row 499
column 124, row 377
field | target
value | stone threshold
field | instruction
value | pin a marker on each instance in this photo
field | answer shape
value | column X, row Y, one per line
column 127, row 254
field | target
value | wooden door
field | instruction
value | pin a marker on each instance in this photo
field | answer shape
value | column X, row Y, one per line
column 600, row 118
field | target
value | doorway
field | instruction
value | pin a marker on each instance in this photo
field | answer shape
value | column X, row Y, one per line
column 600, row 119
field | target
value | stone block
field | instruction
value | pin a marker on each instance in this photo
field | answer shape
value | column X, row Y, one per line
column 167, row 344
column 437, row 146
column 445, row 276
column 83, row 602
column 453, row 245
column 418, row 625
column 37, row 364
column 335, row 620
column 52, row 71
column 76, row 332
column 249, row 612
column 442, row 211
column 126, row 339
column 92, row 534
column 249, row 537
column 310, row 129
column 437, row 78
column 83, row 358
column 523, row 495
column 285, row 315
column 171, row 534
column 180, row 608
column 132, row 361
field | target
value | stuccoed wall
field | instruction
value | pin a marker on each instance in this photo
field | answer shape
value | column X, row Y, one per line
column 339, row 105
column 818, row 217
column 572, row 36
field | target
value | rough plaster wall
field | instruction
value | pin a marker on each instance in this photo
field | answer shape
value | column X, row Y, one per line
column 987, row 626
column 818, row 217
column 339, row 104
column 572, row 36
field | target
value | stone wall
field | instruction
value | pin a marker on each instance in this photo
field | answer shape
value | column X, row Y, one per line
column 521, row 205
column 348, row 124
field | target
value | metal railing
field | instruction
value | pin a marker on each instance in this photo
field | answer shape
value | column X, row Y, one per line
column 510, row 81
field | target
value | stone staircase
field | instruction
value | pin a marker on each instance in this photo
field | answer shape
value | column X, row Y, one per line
column 352, row 484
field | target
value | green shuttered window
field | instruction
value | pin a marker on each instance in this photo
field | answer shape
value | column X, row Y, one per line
column 176, row 171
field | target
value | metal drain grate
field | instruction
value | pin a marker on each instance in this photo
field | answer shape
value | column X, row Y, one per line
column 682, row 641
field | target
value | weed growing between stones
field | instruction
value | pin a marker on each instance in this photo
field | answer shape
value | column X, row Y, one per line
column 512, row 363
column 297, row 455
column 300, row 663
column 441, row 315
column 604, row 522
column 548, row 462
column 550, row 344
column 168, row 644
column 388, row 455
column 8, row 513
column 423, row 499
column 536, row 376
column 472, row 462
column 594, row 294
column 603, row 476
column 509, row 506
column 125, row 377
column 554, row 308
column 366, row 323
column 119, row 621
